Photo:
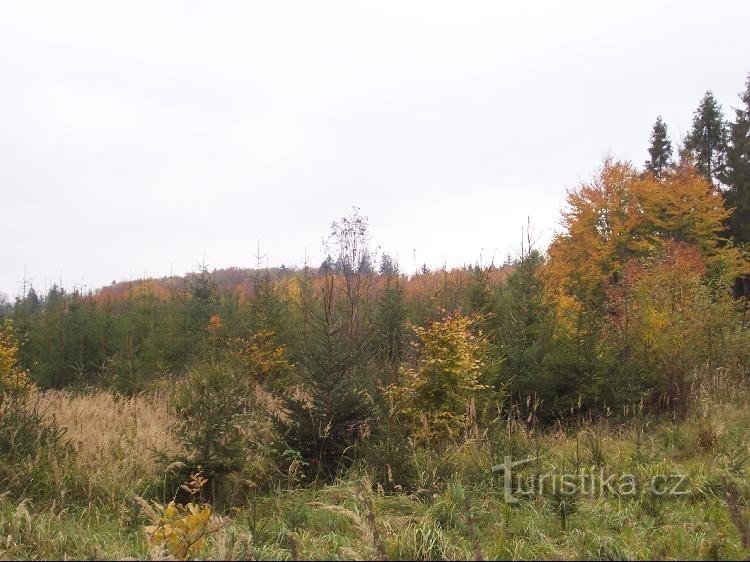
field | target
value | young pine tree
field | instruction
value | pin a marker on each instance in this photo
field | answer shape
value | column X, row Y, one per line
column 523, row 326
column 213, row 408
column 390, row 315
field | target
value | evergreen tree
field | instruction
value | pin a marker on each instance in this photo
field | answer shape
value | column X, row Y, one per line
column 660, row 149
column 390, row 318
column 737, row 175
column 522, row 328
column 707, row 140
column 335, row 359
column 327, row 266
column 477, row 292
column 334, row 397
column 203, row 297
column 365, row 264
column 5, row 306
column 387, row 266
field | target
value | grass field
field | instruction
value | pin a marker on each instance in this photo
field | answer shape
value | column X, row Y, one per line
column 460, row 509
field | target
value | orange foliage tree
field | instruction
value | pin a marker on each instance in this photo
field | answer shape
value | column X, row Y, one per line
column 641, row 275
column 623, row 214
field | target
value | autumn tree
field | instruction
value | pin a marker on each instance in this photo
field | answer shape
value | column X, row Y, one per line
column 620, row 215
column 262, row 359
column 618, row 220
column 707, row 139
column 436, row 394
column 598, row 232
column 14, row 380
column 660, row 150
column 664, row 324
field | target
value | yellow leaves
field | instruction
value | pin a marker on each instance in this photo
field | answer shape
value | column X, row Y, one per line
column 261, row 356
column 654, row 323
column 14, row 381
column 180, row 530
column 623, row 215
column 567, row 309
column 662, row 312
column 446, row 376
column 449, row 344
column 293, row 291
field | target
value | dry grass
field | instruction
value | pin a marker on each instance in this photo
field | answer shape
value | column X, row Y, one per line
column 114, row 437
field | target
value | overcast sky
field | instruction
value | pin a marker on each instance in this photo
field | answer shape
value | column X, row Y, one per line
column 138, row 138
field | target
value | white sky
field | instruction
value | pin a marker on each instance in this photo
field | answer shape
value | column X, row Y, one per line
column 142, row 137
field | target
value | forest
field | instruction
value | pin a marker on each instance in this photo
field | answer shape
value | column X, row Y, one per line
column 350, row 410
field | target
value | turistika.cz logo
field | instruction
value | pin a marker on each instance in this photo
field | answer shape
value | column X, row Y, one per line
column 593, row 481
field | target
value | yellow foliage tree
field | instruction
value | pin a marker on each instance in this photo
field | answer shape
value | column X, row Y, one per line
column 14, row 381
column 180, row 530
column 436, row 394
column 264, row 360
column 669, row 232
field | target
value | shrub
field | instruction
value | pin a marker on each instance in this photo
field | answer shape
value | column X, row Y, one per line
column 180, row 530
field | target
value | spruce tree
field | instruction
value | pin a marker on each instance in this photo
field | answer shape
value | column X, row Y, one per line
column 660, row 149
column 707, row 140
column 387, row 266
column 737, row 176
column 336, row 360
column 390, row 315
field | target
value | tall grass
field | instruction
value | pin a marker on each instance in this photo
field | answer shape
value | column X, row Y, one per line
column 114, row 439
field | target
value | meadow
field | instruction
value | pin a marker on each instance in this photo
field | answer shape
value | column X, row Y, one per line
column 458, row 509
